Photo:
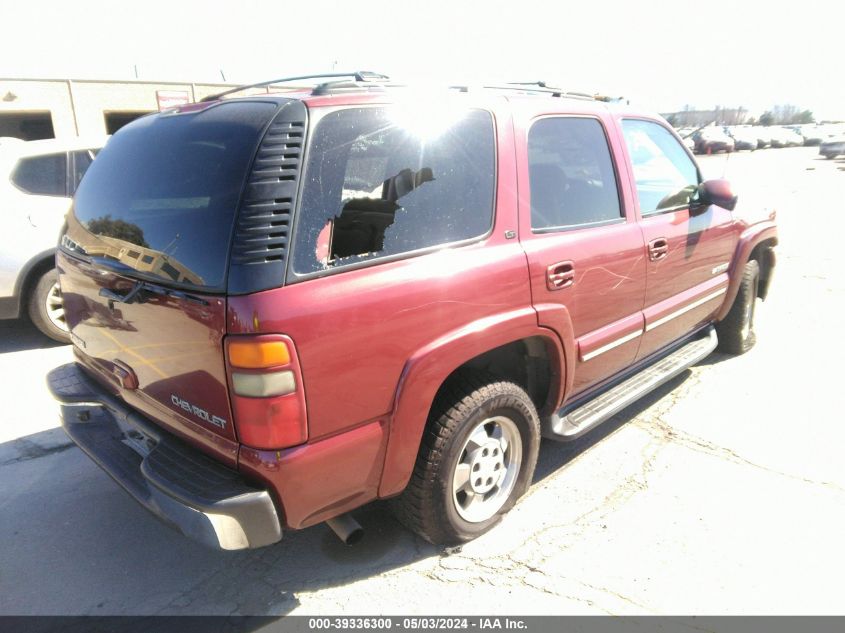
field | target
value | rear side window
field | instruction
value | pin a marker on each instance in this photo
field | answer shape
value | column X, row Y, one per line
column 162, row 195
column 665, row 176
column 42, row 175
column 375, row 187
column 571, row 174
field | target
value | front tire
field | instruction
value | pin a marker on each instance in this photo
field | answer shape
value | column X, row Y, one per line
column 736, row 330
column 476, row 458
column 46, row 308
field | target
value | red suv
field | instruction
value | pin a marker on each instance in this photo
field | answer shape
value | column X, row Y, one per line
column 284, row 306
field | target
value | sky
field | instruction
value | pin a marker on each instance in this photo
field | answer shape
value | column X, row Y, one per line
column 659, row 55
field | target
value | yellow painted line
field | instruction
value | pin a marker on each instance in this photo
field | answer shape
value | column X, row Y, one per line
column 138, row 356
column 149, row 345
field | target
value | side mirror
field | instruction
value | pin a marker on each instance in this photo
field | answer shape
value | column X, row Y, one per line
column 716, row 192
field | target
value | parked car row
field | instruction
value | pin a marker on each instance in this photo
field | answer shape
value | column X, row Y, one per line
column 717, row 138
column 710, row 139
column 785, row 137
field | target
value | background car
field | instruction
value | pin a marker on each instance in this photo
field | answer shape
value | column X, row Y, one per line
column 744, row 137
column 712, row 139
column 686, row 136
column 764, row 136
column 784, row 137
column 794, row 138
column 830, row 130
column 37, row 181
column 812, row 134
column 832, row 147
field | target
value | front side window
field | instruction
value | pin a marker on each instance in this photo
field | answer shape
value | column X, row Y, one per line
column 377, row 184
column 665, row 176
column 42, row 175
column 571, row 174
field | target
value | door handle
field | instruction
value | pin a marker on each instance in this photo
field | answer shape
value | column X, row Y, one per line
column 658, row 249
column 560, row 275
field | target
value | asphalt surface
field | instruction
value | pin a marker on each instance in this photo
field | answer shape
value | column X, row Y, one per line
column 721, row 493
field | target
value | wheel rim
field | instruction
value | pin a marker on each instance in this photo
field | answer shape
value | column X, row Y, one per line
column 748, row 316
column 55, row 307
column 487, row 469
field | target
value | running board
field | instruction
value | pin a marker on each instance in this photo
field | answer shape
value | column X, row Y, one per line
column 568, row 426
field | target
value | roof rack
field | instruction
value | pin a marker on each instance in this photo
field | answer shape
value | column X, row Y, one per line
column 545, row 87
column 336, row 87
column 358, row 77
column 531, row 87
column 373, row 81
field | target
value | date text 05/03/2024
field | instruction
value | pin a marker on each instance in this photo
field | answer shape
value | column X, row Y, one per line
column 417, row 623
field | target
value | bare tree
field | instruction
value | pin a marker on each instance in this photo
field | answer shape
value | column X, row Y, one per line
column 786, row 114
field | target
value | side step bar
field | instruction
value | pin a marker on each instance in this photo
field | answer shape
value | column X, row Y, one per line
column 570, row 425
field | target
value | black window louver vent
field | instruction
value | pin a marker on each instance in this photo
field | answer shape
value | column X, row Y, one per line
column 262, row 232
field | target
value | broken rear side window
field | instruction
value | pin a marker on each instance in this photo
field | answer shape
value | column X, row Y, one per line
column 379, row 184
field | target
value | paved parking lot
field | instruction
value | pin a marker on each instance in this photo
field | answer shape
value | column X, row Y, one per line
column 723, row 492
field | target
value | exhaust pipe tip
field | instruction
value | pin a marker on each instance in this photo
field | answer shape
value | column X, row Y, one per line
column 347, row 529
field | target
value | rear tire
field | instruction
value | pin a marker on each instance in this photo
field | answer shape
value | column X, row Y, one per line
column 476, row 458
column 45, row 307
column 736, row 330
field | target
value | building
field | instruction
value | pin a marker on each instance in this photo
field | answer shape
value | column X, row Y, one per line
column 34, row 109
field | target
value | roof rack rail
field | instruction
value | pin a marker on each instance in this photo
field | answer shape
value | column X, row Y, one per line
column 539, row 84
column 336, row 87
column 542, row 88
column 362, row 76
column 532, row 87
column 560, row 91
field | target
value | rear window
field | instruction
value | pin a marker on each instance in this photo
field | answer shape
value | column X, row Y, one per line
column 161, row 197
column 378, row 185
column 571, row 174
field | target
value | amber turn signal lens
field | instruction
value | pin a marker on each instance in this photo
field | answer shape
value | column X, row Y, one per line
column 258, row 355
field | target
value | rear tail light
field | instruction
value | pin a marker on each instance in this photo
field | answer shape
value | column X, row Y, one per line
column 268, row 399
column 277, row 383
column 258, row 354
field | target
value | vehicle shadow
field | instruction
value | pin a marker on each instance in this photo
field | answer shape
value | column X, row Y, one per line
column 80, row 546
column 555, row 455
column 107, row 556
column 17, row 335
column 715, row 358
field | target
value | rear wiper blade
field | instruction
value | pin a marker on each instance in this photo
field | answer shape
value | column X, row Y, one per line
column 171, row 292
column 129, row 297
column 135, row 294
